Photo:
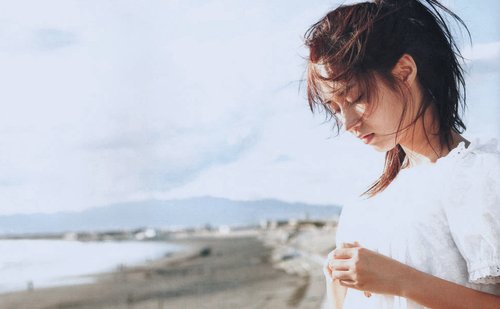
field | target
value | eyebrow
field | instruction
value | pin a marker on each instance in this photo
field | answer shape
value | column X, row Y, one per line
column 341, row 93
column 343, row 89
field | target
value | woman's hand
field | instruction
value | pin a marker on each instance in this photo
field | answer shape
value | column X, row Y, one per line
column 327, row 270
column 359, row 268
column 362, row 269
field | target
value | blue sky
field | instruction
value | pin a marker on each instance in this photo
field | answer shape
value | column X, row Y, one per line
column 112, row 101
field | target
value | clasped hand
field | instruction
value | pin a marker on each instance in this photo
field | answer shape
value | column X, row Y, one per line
column 360, row 268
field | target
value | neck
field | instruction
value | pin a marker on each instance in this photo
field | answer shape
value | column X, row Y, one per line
column 422, row 149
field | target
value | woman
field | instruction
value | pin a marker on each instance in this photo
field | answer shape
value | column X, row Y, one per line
column 428, row 233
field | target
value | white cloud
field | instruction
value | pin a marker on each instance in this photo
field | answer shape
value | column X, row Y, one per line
column 111, row 101
column 485, row 51
column 104, row 100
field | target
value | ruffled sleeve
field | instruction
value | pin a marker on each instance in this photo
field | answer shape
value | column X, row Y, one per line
column 472, row 207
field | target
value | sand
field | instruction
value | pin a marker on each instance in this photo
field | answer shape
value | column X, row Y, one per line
column 215, row 272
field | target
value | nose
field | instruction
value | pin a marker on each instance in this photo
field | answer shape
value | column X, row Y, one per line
column 351, row 120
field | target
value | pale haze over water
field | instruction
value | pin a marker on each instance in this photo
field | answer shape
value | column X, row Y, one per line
column 57, row 262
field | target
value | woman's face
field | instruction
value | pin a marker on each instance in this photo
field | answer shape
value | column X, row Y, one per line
column 375, row 122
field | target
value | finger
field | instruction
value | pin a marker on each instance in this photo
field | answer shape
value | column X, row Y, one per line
column 330, row 258
column 340, row 264
column 348, row 283
column 350, row 245
column 327, row 271
column 342, row 275
column 343, row 253
column 328, row 277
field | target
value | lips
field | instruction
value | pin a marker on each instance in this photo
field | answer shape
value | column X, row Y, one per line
column 367, row 138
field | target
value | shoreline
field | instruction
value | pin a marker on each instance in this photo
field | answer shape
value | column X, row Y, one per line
column 30, row 264
column 223, row 271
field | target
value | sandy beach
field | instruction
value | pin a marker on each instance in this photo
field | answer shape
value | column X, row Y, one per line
column 277, row 269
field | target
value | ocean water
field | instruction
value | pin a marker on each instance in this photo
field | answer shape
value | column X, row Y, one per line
column 44, row 263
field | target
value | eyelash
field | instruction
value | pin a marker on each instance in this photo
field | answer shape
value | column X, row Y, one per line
column 329, row 103
column 357, row 100
column 349, row 103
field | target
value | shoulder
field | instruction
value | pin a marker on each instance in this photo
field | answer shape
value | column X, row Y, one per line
column 473, row 174
column 472, row 208
column 480, row 159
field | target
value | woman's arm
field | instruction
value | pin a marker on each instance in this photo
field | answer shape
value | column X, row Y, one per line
column 366, row 270
column 335, row 294
column 434, row 292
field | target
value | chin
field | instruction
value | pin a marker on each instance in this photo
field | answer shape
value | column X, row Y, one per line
column 380, row 149
column 383, row 147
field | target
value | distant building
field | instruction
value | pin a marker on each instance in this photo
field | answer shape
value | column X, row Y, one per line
column 297, row 223
column 145, row 234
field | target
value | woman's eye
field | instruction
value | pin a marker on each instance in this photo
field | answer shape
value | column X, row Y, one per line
column 359, row 99
column 332, row 107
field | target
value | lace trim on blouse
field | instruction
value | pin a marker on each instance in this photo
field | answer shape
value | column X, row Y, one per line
column 482, row 274
column 486, row 275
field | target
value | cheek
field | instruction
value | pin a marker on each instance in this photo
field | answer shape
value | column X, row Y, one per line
column 391, row 117
column 389, row 111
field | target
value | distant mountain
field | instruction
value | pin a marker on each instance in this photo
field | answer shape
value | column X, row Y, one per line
column 161, row 214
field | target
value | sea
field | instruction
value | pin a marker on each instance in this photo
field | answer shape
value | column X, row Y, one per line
column 31, row 264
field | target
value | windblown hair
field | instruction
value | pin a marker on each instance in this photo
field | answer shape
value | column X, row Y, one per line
column 357, row 43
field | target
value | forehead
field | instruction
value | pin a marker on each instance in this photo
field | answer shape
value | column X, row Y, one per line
column 325, row 75
column 333, row 90
column 338, row 89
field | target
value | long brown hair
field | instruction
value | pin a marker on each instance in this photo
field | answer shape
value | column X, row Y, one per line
column 356, row 43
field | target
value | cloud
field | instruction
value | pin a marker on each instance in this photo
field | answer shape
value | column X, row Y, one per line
column 19, row 38
column 293, row 160
column 484, row 58
column 157, row 161
column 484, row 51
column 52, row 39
column 108, row 102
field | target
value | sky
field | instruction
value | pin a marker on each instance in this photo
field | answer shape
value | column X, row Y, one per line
column 111, row 101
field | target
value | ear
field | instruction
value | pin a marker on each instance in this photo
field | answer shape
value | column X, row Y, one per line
column 405, row 69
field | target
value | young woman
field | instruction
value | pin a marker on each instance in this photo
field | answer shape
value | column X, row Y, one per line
column 428, row 232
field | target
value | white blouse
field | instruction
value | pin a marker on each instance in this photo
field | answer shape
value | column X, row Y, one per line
column 441, row 218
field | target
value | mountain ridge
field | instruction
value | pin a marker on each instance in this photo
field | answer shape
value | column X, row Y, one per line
column 191, row 212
